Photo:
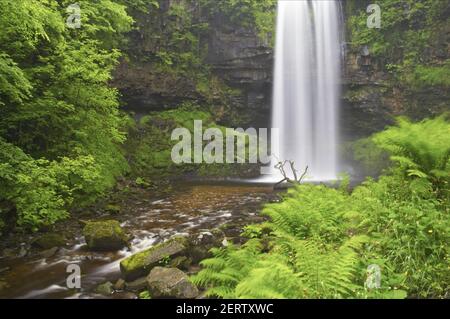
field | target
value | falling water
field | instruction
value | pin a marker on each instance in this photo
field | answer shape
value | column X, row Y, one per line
column 306, row 87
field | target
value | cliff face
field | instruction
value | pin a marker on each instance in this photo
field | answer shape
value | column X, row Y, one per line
column 235, row 57
column 367, row 105
column 243, row 61
column 378, row 86
column 141, row 78
column 235, row 68
column 372, row 98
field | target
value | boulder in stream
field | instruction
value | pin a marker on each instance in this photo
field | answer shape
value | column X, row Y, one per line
column 202, row 243
column 140, row 264
column 50, row 240
column 104, row 235
column 120, row 284
column 105, row 289
column 48, row 253
column 137, row 285
column 170, row 283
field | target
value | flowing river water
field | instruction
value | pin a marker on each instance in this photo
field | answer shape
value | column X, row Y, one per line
column 188, row 209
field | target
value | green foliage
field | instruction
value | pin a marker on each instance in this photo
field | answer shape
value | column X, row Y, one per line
column 14, row 86
column 367, row 155
column 42, row 190
column 321, row 240
column 150, row 146
column 408, row 29
column 58, row 112
column 429, row 76
column 421, row 150
column 247, row 13
column 141, row 5
column 404, row 23
column 409, row 228
column 145, row 295
column 177, row 49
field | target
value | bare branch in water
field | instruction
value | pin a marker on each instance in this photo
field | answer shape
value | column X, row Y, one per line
column 281, row 167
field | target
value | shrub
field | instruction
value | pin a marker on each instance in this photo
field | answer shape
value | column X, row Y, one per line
column 323, row 240
column 42, row 191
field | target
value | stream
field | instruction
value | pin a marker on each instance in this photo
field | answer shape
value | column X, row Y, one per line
column 188, row 209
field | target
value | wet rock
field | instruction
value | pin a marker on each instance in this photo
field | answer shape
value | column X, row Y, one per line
column 49, row 252
column 202, row 296
column 137, row 285
column 112, row 209
column 22, row 252
column 141, row 263
column 170, row 283
column 4, row 285
column 119, row 285
column 125, row 295
column 4, row 269
column 201, row 244
column 205, row 238
column 181, row 262
column 105, row 289
column 50, row 240
column 9, row 253
column 104, row 235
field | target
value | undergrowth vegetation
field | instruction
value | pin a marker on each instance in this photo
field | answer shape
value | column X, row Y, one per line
column 322, row 242
column 60, row 125
column 249, row 13
column 149, row 147
column 411, row 41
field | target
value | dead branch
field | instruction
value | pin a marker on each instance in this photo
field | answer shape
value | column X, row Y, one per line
column 281, row 167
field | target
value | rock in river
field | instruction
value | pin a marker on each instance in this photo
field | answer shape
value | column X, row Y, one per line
column 50, row 240
column 140, row 264
column 105, row 289
column 120, row 284
column 104, row 235
column 170, row 283
column 137, row 285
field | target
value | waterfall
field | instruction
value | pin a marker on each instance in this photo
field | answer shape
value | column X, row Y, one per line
column 306, row 86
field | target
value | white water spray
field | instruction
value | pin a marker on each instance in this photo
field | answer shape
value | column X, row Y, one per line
column 306, row 87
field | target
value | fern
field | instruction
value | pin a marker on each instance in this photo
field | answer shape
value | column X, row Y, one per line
column 229, row 266
column 294, row 269
column 320, row 241
column 302, row 216
column 421, row 149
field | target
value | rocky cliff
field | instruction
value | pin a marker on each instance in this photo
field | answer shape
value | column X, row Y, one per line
column 234, row 66
column 243, row 60
column 400, row 70
column 372, row 98
column 234, row 61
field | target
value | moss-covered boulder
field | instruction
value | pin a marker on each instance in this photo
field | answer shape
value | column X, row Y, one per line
column 170, row 283
column 140, row 264
column 105, row 235
column 105, row 289
column 50, row 240
column 137, row 285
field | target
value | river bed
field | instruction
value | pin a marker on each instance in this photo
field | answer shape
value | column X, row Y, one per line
column 188, row 209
